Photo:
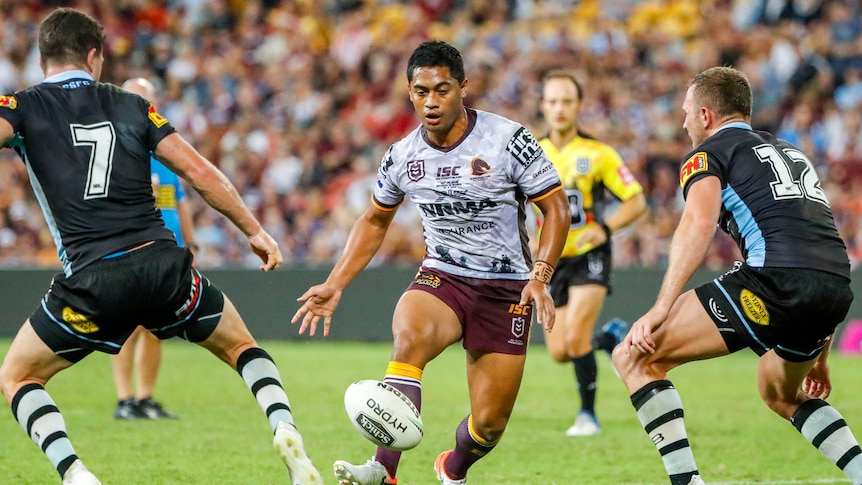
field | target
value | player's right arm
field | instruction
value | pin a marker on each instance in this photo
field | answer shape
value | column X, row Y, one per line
column 219, row 193
column 6, row 132
column 688, row 248
column 364, row 240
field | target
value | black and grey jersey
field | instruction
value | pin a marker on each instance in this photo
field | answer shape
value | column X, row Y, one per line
column 772, row 202
column 87, row 149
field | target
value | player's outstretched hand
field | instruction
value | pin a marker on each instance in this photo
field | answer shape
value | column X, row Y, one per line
column 640, row 335
column 265, row 247
column 817, row 383
column 537, row 293
column 317, row 302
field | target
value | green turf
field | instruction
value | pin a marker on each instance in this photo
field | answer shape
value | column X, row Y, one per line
column 222, row 437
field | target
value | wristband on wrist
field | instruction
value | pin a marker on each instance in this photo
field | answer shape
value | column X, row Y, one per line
column 542, row 271
column 607, row 231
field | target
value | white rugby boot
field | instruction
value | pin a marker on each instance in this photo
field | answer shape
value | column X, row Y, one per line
column 440, row 470
column 371, row 473
column 288, row 443
column 77, row 474
column 696, row 480
column 586, row 424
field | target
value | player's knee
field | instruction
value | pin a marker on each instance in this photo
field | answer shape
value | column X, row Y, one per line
column 559, row 354
column 622, row 360
column 489, row 428
column 6, row 384
column 416, row 348
column 781, row 404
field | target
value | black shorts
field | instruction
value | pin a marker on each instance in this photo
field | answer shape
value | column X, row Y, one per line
column 491, row 318
column 101, row 305
column 590, row 268
column 790, row 310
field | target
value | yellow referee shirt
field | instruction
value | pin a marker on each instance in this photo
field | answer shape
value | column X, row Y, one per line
column 587, row 168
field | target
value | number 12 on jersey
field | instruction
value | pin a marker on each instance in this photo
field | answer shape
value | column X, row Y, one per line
column 785, row 186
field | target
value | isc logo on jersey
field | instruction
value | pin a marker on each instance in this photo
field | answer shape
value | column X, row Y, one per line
column 695, row 164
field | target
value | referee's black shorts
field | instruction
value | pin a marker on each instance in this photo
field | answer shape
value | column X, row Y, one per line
column 790, row 310
column 100, row 306
column 590, row 268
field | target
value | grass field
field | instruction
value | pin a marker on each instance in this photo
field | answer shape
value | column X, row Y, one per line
column 223, row 438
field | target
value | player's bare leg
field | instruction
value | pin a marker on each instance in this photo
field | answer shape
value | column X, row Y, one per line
column 233, row 343
column 571, row 341
column 422, row 327
column 688, row 334
column 494, row 380
column 26, row 369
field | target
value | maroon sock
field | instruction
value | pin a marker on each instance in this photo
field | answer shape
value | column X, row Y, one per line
column 468, row 450
column 389, row 458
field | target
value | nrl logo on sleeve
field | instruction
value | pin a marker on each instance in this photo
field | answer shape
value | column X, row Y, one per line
column 8, row 102
column 155, row 117
column 695, row 164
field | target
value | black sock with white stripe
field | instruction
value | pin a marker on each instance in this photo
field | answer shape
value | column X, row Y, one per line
column 659, row 409
column 41, row 420
column 824, row 428
column 261, row 376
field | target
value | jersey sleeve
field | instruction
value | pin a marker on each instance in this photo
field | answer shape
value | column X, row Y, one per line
column 617, row 177
column 11, row 112
column 697, row 165
column 157, row 125
column 533, row 170
column 387, row 194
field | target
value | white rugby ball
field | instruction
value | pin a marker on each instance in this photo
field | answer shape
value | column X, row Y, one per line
column 383, row 415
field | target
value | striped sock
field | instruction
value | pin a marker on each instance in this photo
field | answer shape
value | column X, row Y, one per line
column 659, row 409
column 407, row 379
column 825, row 428
column 469, row 448
column 261, row 376
column 41, row 420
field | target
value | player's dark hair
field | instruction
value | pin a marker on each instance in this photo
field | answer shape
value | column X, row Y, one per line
column 436, row 53
column 67, row 35
column 725, row 90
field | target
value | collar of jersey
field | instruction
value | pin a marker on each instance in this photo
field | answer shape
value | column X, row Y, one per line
column 66, row 75
column 735, row 124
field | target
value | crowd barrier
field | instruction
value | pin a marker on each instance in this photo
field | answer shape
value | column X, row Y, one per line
column 267, row 301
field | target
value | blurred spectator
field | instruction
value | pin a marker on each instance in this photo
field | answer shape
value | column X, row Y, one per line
column 297, row 100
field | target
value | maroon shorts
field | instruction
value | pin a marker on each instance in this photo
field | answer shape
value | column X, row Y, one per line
column 491, row 319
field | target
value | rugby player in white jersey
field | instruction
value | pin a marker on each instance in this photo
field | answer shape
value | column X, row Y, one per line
column 470, row 173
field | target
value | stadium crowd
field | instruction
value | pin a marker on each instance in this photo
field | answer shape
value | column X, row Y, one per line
column 297, row 100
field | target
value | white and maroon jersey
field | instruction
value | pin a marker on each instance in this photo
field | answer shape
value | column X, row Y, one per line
column 471, row 195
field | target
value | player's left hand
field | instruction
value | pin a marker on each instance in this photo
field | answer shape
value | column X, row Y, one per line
column 318, row 302
column 817, row 383
column 537, row 293
column 265, row 247
column 640, row 336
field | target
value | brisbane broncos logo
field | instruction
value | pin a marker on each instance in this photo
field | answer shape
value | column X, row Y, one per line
column 479, row 167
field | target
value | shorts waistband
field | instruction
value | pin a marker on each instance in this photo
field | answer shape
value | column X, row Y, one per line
column 129, row 258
